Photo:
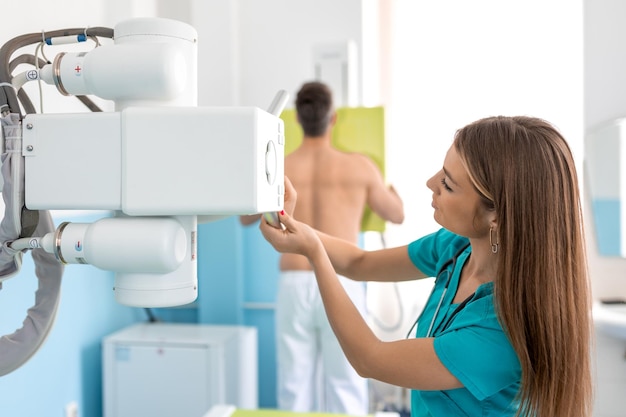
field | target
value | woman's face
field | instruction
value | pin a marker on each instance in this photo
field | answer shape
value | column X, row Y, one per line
column 457, row 204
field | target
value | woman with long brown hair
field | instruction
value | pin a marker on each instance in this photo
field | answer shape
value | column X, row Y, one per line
column 507, row 328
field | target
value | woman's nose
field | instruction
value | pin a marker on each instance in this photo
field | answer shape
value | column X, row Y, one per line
column 430, row 183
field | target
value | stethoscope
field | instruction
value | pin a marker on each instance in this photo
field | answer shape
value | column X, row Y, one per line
column 449, row 272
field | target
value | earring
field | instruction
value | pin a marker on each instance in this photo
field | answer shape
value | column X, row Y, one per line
column 494, row 246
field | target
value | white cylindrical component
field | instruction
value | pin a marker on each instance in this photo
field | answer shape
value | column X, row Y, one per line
column 131, row 244
column 278, row 104
column 127, row 244
column 156, row 71
column 163, row 290
column 46, row 74
column 47, row 242
column 184, row 37
column 22, row 78
column 63, row 40
column 69, row 242
column 150, row 29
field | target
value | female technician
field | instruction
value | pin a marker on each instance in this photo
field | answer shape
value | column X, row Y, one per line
column 506, row 330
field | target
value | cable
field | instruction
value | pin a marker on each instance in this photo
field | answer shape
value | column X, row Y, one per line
column 151, row 317
column 29, row 108
column 89, row 103
column 25, row 59
column 399, row 322
column 37, row 50
column 25, row 243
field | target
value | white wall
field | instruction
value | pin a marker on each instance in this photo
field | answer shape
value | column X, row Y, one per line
column 42, row 15
column 605, row 99
column 250, row 49
column 457, row 61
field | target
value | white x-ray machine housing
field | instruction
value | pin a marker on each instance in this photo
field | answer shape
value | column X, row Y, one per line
column 158, row 161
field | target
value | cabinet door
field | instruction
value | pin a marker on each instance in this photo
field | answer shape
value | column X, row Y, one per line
column 163, row 381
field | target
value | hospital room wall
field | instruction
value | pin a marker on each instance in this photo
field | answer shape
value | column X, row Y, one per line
column 248, row 50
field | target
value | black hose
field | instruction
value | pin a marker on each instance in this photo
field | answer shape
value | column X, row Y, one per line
column 29, row 108
column 89, row 103
column 26, row 59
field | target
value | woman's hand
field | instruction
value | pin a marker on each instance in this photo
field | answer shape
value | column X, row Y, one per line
column 294, row 237
column 290, row 197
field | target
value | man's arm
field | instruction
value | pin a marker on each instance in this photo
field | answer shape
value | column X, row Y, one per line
column 382, row 199
column 249, row 219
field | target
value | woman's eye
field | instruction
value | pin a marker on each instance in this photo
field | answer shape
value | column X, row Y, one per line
column 445, row 184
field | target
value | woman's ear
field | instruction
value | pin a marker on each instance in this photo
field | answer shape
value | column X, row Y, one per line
column 492, row 219
column 493, row 222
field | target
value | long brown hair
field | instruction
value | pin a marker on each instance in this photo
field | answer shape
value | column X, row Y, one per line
column 524, row 170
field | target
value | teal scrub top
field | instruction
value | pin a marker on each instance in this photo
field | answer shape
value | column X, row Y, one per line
column 470, row 343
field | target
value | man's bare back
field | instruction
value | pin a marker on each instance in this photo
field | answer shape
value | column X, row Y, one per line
column 333, row 189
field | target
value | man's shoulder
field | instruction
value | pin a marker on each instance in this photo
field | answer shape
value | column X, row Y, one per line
column 358, row 157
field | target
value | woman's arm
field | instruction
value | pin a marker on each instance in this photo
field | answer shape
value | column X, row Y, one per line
column 349, row 260
column 408, row 363
column 384, row 265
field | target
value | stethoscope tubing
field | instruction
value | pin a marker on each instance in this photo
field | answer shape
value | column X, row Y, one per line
column 443, row 294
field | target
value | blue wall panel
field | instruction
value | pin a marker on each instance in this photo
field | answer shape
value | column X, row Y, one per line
column 220, row 279
column 261, row 271
column 608, row 225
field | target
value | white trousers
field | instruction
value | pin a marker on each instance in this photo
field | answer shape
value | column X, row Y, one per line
column 313, row 372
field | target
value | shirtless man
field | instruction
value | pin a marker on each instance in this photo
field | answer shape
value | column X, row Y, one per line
column 333, row 189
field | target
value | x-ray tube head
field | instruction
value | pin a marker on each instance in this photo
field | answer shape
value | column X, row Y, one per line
column 154, row 258
column 120, row 72
column 153, row 61
column 126, row 244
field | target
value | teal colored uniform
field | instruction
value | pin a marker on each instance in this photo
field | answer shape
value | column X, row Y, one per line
column 470, row 342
